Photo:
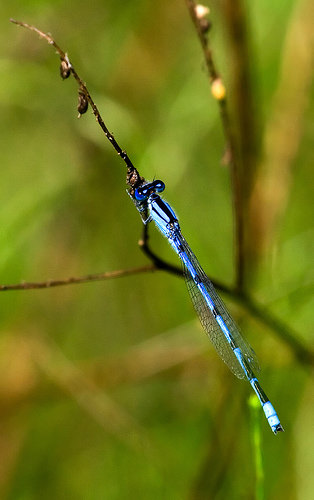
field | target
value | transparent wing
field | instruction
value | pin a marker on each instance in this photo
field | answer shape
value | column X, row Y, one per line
column 209, row 322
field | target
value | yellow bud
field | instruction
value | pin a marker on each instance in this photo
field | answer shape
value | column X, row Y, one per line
column 218, row 89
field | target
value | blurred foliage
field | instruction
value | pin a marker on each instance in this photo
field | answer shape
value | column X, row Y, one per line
column 110, row 390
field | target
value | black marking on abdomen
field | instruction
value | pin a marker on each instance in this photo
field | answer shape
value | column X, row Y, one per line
column 261, row 394
column 215, row 312
column 197, row 279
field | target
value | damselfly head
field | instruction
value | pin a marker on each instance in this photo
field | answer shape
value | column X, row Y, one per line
column 143, row 193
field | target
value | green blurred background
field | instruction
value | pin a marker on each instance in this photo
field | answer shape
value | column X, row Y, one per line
column 110, row 390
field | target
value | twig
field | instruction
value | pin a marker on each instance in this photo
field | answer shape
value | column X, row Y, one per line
column 257, row 311
column 158, row 262
column 81, row 279
column 230, row 140
column 133, row 177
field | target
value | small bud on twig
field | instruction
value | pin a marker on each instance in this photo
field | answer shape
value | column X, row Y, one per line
column 201, row 13
column 218, row 89
column 65, row 69
column 82, row 103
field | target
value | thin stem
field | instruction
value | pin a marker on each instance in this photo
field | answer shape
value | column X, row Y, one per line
column 257, row 311
column 133, row 177
column 231, row 146
column 158, row 262
column 81, row 279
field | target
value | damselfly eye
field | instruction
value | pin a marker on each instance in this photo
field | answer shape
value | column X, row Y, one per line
column 159, row 186
column 141, row 193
